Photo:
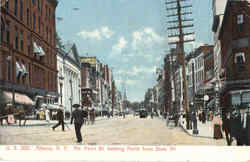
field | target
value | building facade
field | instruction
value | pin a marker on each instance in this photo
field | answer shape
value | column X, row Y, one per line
column 235, row 61
column 69, row 77
column 28, row 49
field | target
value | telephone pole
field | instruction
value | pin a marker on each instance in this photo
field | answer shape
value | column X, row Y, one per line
column 178, row 28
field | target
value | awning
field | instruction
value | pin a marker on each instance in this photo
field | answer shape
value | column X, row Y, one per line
column 36, row 49
column 51, row 106
column 24, row 71
column 19, row 70
column 42, row 53
column 7, row 97
column 209, row 84
column 211, row 103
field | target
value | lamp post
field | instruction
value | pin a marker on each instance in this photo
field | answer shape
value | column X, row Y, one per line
column 217, row 109
column 71, row 98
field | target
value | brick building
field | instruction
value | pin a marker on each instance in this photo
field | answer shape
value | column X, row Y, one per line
column 28, row 63
column 235, row 60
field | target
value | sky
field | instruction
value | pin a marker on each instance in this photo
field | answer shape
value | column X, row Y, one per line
column 128, row 35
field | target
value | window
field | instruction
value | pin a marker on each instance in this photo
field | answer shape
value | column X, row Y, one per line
column 7, row 31
column 47, row 33
column 239, row 58
column 21, row 40
column 21, row 9
column 7, row 4
column 240, row 19
column 38, row 2
column 39, row 24
column 49, row 14
column 46, row 8
column 28, row 16
column 33, row 2
column 9, row 68
column 2, row 31
column 28, row 45
column 34, row 21
column 16, row 38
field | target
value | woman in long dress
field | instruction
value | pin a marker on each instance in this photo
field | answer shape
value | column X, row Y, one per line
column 217, row 127
column 47, row 116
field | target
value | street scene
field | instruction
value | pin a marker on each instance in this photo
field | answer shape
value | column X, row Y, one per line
column 121, row 72
column 115, row 131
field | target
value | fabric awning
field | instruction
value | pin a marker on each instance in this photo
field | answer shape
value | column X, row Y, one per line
column 211, row 104
column 18, row 69
column 42, row 53
column 7, row 97
column 24, row 71
column 36, row 49
column 209, row 84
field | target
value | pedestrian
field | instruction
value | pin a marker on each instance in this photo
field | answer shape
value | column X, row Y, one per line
column 123, row 115
column 194, row 120
column 60, row 118
column 203, row 117
column 227, row 126
column 217, row 127
column 92, row 116
column 47, row 116
column 78, row 121
column 244, row 127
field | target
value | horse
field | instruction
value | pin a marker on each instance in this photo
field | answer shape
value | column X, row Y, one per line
column 3, row 114
column 19, row 111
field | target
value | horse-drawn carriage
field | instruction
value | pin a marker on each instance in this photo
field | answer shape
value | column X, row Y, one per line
column 22, row 108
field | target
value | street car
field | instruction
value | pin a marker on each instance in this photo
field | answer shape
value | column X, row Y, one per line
column 143, row 113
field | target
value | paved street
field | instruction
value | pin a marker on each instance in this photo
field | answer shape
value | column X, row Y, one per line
column 131, row 131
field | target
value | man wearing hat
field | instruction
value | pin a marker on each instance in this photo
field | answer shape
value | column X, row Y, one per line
column 60, row 118
column 78, row 121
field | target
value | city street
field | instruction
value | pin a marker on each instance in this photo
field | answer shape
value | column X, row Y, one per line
column 129, row 131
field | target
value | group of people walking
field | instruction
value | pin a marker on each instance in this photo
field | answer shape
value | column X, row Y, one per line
column 78, row 118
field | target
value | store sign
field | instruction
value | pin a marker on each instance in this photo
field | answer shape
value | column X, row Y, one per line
column 90, row 60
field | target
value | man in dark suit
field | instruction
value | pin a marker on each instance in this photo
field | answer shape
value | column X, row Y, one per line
column 227, row 127
column 77, row 117
column 60, row 118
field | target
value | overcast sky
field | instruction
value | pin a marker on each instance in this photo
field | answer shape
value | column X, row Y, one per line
column 128, row 35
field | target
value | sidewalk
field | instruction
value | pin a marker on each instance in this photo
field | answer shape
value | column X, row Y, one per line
column 205, row 130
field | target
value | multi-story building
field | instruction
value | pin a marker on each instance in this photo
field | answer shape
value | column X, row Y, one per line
column 69, row 76
column 235, row 61
column 199, row 66
column 28, row 49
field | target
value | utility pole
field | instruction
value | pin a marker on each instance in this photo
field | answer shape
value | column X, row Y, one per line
column 176, row 28
column 173, row 70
